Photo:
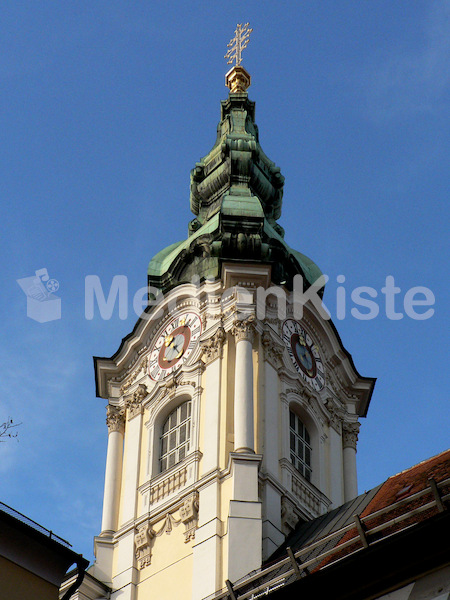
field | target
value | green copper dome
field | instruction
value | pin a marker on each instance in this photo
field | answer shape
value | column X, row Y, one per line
column 236, row 197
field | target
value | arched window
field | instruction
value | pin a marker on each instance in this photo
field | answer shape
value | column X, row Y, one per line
column 175, row 436
column 300, row 445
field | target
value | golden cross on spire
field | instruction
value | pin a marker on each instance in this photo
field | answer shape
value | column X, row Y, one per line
column 238, row 44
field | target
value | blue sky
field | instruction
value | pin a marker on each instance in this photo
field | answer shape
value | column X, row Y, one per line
column 104, row 109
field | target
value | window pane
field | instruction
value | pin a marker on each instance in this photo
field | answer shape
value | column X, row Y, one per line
column 308, row 456
column 307, row 438
column 292, row 441
column 175, row 436
column 299, row 443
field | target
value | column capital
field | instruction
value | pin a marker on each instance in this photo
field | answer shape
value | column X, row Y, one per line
column 244, row 329
column 115, row 418
column 350, row 434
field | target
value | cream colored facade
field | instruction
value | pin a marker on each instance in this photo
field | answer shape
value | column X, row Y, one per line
column 228, row 504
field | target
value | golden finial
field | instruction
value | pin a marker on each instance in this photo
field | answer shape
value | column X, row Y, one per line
column 237, row 78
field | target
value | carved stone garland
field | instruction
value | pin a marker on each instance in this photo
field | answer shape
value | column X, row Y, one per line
column 145, row 534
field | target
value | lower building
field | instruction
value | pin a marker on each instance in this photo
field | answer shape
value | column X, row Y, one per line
column 33, row 560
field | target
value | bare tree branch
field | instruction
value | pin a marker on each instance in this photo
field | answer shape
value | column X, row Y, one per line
column 5, row 429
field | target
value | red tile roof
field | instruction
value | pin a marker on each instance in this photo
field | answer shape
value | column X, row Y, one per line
column 395, row 489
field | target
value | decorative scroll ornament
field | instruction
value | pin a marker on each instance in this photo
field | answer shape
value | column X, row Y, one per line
column 273, row 352
column 134, row 402
column 350, row 435
column 244, row 330
column 335, row 417
column 189, row 516
column 289, row 517
column 142, row 542
column 173, row 381
column 212, row 348
column 115, row 418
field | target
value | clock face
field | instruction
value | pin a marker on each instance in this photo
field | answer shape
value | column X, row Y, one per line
column 173, row 345
column 304, row 354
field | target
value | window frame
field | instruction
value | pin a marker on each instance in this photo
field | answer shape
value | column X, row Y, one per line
column 175, row 436
column 301, row 456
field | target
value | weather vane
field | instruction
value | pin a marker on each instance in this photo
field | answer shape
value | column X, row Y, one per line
column 238, row 44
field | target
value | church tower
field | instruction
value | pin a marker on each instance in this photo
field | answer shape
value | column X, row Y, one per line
column 233, row 408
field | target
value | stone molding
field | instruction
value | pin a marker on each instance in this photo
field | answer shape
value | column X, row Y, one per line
column 350, row 435
column 115, row 419
column 244, row 330
column 132, row 378
column 212, row 347
column 134, row 402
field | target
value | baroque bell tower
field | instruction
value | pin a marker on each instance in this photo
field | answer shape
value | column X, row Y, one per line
column 233, row 408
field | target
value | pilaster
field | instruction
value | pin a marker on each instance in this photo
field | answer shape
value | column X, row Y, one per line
column 245, row 516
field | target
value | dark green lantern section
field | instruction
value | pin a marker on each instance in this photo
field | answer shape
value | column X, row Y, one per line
column 236, row 196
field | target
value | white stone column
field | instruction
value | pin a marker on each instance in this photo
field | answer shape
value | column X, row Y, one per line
column 244, row 439
column 349, row 440
column 115, row 419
